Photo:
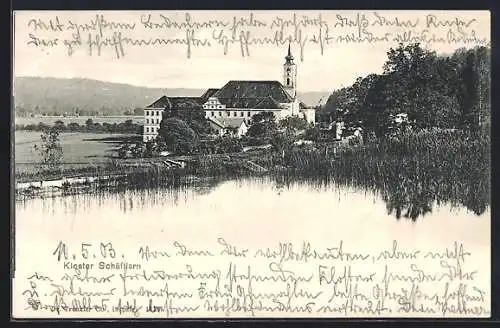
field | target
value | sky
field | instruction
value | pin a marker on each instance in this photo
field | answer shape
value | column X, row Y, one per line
column 42, row 50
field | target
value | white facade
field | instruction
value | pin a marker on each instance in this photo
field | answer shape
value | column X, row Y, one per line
column 214, row 108
column 152, row 119
column 290, row 75
column 309, row 114
column 240, row 113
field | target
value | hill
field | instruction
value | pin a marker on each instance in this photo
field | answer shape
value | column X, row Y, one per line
column 92, row 97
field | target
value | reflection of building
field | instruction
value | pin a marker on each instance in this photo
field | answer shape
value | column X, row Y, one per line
column 234, row 126
column 237, row 99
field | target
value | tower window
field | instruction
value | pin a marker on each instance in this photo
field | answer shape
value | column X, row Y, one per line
column 234, row 114
column 288, row 81
column 241, row 114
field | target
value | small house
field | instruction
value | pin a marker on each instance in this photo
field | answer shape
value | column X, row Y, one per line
column 235, row 127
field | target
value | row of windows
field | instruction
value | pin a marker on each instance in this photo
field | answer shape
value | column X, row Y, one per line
column 153, row 112
column 235, row 114
column 153, row 121
column 212, row 106
column 151, row 129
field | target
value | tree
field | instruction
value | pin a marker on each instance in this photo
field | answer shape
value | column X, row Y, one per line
column 59, row 125
column 73, row 126
column 263, row 125
column 138, row 150
column 434, row 91
column 89, row 123
column 50, row 149
column 228, row 144
column 123, row 150
column 474, row 91
column 293, row 124
column 193, row 115
column 149, row 150
column 313, row 134
column 282, row 142
column 177, row 136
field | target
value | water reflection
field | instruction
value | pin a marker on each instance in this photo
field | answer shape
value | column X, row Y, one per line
column 409, row 199
column 415, row 199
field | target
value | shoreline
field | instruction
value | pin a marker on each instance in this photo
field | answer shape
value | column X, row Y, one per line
column 409, row 171
column 147, row 168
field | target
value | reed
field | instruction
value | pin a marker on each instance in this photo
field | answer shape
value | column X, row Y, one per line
column 411, row 171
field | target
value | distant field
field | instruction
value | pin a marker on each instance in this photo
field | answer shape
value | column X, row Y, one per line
column 50, row 120
column 80, row 149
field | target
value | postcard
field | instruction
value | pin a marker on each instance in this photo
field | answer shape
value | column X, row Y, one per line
column 251, row 164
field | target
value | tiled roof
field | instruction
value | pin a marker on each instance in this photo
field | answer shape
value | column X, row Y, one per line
column 250, row 103
column 185, row 102
column 177, row 103
column 160, row 103
column 235, row 94
column 254, row 89
column 209, row 93
column 227, row 122
column 268, row 103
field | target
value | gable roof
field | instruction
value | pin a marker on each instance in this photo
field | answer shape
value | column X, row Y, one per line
column 177, row 103
column 227, row 122
column 209, row 93
column 268, row 103
column 250, row 103
column 162, row 102
column 254, row 89
column 235, row 94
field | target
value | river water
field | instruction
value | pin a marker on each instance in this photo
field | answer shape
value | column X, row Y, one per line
column 249, row 212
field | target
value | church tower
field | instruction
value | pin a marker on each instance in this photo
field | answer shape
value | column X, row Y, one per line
column 290, row 75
